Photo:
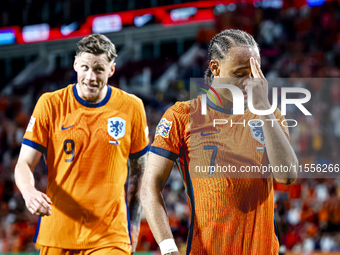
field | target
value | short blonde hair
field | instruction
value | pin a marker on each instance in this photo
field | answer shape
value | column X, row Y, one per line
column 97, row 44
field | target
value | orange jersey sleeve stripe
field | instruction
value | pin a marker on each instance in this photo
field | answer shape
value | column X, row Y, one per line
column 164, row 153
column 34, row 145
column 140, row 153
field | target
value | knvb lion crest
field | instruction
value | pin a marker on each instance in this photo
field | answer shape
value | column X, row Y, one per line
column 257, row 131
column 116, row 127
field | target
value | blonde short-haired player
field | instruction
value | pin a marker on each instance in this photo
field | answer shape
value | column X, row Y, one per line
column 87, row 132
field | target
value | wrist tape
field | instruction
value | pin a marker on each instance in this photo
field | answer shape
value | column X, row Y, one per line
column 167, row 246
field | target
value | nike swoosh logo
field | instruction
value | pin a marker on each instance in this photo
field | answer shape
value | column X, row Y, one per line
column 64, row 128
column 202, row 134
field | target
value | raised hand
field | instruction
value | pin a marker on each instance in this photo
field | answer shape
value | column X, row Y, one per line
column 259, row 86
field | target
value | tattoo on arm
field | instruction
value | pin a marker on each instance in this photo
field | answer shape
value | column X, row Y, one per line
column 137, row 170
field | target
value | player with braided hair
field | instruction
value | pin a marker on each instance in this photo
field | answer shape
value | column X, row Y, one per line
column 228, row 215
column 221, row 44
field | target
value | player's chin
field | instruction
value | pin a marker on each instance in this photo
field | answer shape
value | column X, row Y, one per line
column 90, row 89
column 91, row 96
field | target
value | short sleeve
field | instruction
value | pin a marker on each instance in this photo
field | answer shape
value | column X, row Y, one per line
column 169, row 136
column 282, row 122
column 140, row 131
column 37, row 132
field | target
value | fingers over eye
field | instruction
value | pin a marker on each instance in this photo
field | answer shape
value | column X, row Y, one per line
column 254, row 68
column 259, row 69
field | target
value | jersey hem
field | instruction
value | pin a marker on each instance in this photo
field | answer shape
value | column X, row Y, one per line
column 164, row 153
column 34, row 145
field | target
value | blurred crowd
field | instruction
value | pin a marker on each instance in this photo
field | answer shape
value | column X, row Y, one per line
column 295, row 43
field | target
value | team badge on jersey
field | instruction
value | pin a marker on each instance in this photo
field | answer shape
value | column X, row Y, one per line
column 257, row 131
column 116, row 127
column 163, row 128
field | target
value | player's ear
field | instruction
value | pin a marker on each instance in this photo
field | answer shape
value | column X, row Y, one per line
column 215, row 67
column 75, row 64
column 112, row 69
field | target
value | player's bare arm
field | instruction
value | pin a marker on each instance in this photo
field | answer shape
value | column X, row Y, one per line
column 36, row 202
column 278, row 148
column 135, row 207
column 157, row 173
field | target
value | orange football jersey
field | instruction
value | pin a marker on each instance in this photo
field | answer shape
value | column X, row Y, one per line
column 86, row 148
column 231, row 212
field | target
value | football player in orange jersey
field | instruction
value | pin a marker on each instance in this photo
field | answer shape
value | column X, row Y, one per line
column 87, row 134
column 228, row 215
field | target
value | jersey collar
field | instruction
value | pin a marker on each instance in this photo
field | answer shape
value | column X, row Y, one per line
column 89, row 104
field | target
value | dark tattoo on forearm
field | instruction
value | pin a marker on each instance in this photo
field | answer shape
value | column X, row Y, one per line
column 137, row 171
